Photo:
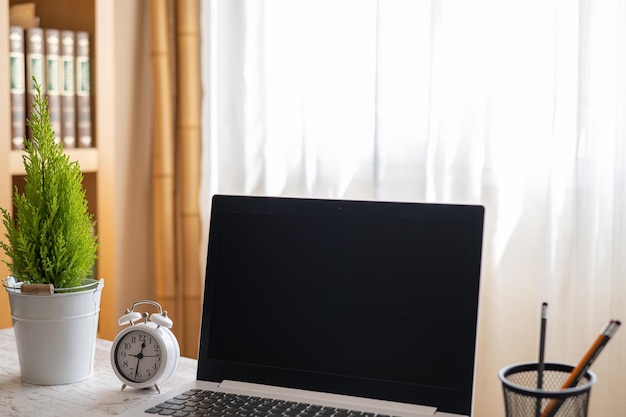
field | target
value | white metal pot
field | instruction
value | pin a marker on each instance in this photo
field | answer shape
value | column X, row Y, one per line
column 56, row 334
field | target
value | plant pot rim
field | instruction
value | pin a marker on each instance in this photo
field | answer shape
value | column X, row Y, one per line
column 13, row 287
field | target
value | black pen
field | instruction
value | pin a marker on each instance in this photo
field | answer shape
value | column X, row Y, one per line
column 542, row 349
column 542, row 345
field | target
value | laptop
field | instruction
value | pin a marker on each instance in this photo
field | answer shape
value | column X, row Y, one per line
column 338, row 307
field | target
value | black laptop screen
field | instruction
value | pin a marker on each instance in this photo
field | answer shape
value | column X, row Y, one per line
column 374, row 299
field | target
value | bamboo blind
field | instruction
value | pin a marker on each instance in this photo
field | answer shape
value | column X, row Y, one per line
column 189, row 99
column 175, row 170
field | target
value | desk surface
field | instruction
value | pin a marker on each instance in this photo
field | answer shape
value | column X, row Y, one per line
column 99, row 395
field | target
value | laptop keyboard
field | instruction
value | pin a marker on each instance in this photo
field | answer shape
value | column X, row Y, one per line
column 203, row 403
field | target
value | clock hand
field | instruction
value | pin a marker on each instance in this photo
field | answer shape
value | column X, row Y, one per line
column 139, row 356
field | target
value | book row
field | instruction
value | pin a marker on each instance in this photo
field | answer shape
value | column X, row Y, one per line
column 59, row 61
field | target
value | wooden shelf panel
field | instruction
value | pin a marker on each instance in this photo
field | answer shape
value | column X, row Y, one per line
column 86, row 157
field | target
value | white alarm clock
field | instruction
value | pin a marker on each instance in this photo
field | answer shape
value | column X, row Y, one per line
column 145, row 354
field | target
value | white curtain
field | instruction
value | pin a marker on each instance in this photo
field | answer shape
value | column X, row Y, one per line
column 516, row 105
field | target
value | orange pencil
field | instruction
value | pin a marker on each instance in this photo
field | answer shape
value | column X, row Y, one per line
column 583, row 366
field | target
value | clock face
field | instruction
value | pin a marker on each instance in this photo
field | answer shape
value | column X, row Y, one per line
column 138, row 356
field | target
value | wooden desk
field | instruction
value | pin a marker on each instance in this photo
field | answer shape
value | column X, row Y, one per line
column 99, row 395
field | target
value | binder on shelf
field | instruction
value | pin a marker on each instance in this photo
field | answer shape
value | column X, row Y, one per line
column 34, row 66
column 18, row 86
column 68, row 91
column 52, row 90
column 83, row 90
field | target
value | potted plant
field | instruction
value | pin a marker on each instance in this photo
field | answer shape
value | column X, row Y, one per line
column 51, row 246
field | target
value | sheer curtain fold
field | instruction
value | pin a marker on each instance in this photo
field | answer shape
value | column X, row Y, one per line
column 518, row 106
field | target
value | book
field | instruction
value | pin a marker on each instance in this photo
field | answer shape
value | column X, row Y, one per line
column 52, row 88
column 18, row 87
column 83, row 90
column 34, row 45
column 68, row 89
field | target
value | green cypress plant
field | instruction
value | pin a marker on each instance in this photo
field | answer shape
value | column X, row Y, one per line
column 51, row 237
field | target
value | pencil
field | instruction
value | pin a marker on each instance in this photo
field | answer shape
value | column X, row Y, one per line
column 583, row 366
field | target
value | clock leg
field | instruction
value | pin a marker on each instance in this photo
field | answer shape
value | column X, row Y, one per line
column 157, row 388
column 123, row 386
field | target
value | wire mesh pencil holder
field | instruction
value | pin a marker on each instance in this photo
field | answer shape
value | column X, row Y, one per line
column 522, row 398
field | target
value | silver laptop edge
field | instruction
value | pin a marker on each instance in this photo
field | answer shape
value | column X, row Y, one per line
column 288, row 394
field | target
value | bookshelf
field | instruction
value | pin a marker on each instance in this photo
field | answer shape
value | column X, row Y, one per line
column 98, row 163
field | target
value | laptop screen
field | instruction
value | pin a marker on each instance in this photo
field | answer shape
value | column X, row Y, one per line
column 372, row 299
